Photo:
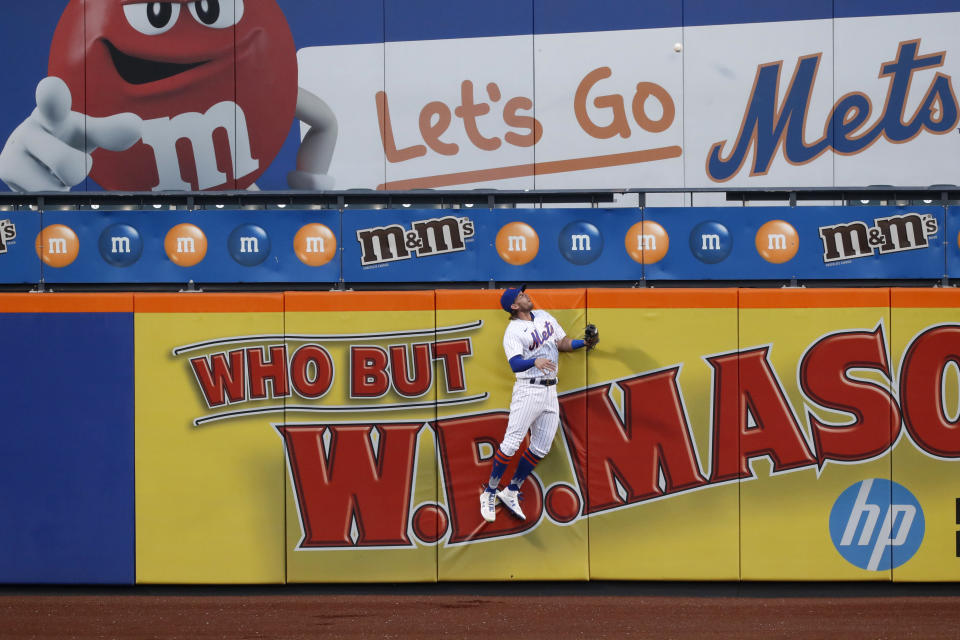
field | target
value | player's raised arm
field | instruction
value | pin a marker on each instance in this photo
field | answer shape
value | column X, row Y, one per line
column 591, row 336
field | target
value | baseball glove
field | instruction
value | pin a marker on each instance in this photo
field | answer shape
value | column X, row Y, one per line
column 591, row 336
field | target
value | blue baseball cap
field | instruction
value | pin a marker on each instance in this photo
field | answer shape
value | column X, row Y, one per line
column 510, row 296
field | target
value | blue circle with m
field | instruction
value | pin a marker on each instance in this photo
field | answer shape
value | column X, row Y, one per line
column 711, row 242
column 580, row 242
column 249, row 245
column 120, row 245
column 877, row 524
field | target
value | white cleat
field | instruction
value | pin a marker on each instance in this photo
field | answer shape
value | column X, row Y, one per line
column 510, row 500
column 488, row 505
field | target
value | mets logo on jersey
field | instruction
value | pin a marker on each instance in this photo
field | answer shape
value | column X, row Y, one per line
column 541, row 337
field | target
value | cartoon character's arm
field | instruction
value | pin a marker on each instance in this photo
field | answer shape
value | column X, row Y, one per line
column 50, row 150
column 316, row 149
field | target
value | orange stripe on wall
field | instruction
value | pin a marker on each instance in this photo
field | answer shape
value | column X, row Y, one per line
column 945, row 298
column 359, row 300
column 66, row 303
column 813, row 298
column 454, row 299
column 208, row 302
column 662, row 298
column 473, row 299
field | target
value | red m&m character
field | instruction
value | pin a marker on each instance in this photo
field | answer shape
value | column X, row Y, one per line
column 168, row 96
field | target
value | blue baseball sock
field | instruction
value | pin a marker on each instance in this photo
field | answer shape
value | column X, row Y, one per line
column 500, row 462
column 527, row 462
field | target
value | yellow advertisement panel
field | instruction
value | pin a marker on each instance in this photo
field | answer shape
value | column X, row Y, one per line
column 550, row 541
column 815, row 419
column 654, row 510
column 924, row 514
column 209, row 469
column 358, row 431
column 712, row 435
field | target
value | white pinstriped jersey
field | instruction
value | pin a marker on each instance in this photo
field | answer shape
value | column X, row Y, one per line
column 533, row 339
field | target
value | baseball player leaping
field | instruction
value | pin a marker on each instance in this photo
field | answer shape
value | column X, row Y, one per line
column 531, row 343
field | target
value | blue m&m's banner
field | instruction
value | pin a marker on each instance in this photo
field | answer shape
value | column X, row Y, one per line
column 624, row 245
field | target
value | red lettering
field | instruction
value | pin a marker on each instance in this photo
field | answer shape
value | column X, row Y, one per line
column 921, row 391
column 452, row 353
column 745, row 384
column 653, row 437
column 353, row 483
column 417, row 384
column 303, row 358
column 220, row 381
column 465, row 474
column 824, row 377
column 368, row 372
column 274, row 370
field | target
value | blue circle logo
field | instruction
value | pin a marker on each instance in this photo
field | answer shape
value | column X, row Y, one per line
column 249, row 245
column 120, row 245
column 876, row 524
column 580, row 242
column 710, row 242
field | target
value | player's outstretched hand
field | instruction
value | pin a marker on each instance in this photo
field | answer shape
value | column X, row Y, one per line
column 545, row 365
column 50, row 150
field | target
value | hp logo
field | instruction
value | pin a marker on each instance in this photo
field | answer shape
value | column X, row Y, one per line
column 876, row 524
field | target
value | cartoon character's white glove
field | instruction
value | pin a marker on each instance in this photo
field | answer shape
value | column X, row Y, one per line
column 50, row 150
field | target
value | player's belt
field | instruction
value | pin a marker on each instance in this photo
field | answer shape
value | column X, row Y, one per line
column 547, row 382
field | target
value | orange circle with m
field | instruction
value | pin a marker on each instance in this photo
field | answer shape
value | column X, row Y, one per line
column 315, row 245
column 777, row 241
column 57, row 245
column 646, row 242
column 517, row 243
column 185, row 244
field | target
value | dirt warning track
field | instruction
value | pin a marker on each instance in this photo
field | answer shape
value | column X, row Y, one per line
column 593, row 610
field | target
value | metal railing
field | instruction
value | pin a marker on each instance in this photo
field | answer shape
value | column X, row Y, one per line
column 482, row 198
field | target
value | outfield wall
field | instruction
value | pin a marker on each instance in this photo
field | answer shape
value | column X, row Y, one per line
column 715, row 434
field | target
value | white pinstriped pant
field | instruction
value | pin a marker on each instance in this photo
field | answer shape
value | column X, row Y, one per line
column 533, row 407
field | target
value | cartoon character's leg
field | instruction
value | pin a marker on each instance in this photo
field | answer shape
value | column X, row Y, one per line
column 316, row 149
